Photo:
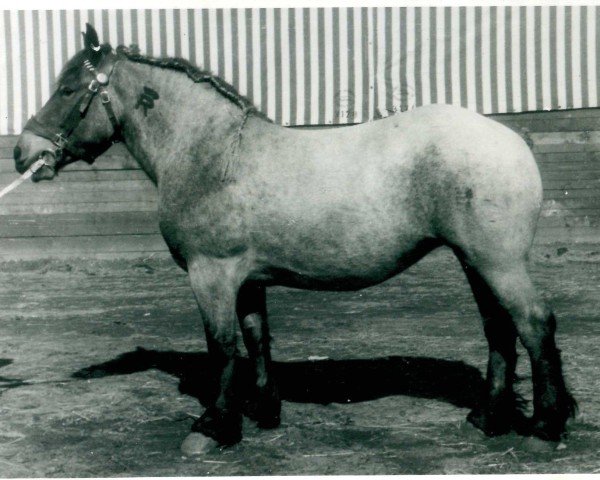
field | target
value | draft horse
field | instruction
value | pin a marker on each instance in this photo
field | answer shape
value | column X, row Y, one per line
column 245, row 204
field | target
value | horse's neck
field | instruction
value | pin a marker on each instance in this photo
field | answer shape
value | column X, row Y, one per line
column 188, row 122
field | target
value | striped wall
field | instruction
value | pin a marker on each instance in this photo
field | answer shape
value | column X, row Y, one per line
column 331, row 66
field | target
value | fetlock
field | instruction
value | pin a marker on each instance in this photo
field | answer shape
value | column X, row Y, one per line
column 268, row 412
column 498, row 416
column 489, row 423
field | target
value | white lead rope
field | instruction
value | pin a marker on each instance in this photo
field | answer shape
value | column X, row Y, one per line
column 30, row 171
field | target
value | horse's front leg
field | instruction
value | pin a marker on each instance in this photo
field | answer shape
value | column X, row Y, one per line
column 265, row 406
column 215, row 283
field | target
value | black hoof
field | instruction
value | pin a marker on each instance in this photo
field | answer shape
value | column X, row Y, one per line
column 499, row 414
column 491, row 424
column 548, row 431
column 550, row 424
column 268, row 420
column 225, row 427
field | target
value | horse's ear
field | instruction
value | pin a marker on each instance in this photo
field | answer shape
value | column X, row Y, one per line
column 90, row 39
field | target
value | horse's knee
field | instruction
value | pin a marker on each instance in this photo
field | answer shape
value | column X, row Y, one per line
column 251, row 311
column 532, row 318
column 501, row 371
column 257, row 341
column 536, row 327
column 252, row 331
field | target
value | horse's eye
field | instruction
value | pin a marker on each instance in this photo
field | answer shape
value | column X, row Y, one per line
column 66, row 91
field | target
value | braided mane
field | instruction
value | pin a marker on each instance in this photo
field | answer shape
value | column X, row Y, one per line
column 196, row 75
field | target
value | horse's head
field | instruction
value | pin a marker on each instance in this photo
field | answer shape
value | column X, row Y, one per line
column 78, row 122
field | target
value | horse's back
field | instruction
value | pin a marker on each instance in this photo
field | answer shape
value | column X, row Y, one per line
column 457, row 137
column 433, row 165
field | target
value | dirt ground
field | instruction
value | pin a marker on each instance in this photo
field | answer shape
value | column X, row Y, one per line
column 102, row 366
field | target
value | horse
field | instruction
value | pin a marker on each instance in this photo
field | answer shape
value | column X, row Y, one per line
column 245, row 204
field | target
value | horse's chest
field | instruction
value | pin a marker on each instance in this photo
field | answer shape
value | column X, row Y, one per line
column 210, row 225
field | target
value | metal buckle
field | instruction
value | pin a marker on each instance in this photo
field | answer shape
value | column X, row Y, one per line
column 60, row 141
column 104, row 96
column 93, row 86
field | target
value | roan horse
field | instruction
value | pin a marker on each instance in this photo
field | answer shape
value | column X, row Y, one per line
column 245, row 204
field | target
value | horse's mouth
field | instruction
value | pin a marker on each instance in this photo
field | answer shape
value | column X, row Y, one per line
column 48, row 170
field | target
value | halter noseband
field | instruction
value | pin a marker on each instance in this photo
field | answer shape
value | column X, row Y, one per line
column 61, row 139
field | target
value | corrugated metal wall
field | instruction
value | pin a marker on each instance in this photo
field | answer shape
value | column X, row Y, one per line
column 313, row 66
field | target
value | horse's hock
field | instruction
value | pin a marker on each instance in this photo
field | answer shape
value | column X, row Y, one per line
column 108, row 210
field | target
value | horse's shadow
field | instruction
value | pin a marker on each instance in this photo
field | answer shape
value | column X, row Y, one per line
column 321, row 381
column 6, row 382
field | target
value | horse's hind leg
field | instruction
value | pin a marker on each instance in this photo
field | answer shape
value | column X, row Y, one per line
column 498, row 410
column 252, row 315
column 535, row 325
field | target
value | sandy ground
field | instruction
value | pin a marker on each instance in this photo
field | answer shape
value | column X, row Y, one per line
column 102, row 367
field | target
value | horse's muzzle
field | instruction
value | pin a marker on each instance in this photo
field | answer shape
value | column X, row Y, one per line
column 48, row 171
column 30, row 148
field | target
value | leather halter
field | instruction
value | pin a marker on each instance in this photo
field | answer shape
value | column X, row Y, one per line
column 97, row 87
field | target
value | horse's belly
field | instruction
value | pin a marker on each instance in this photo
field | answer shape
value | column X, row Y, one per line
column 293, row 279
column 316, row 270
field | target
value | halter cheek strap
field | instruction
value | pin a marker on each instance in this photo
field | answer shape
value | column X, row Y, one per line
column 97, row 87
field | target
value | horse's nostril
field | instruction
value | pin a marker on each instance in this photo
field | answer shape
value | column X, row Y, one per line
column 17, row 153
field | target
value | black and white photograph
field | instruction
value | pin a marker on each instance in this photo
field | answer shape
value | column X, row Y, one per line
column 277, row 239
